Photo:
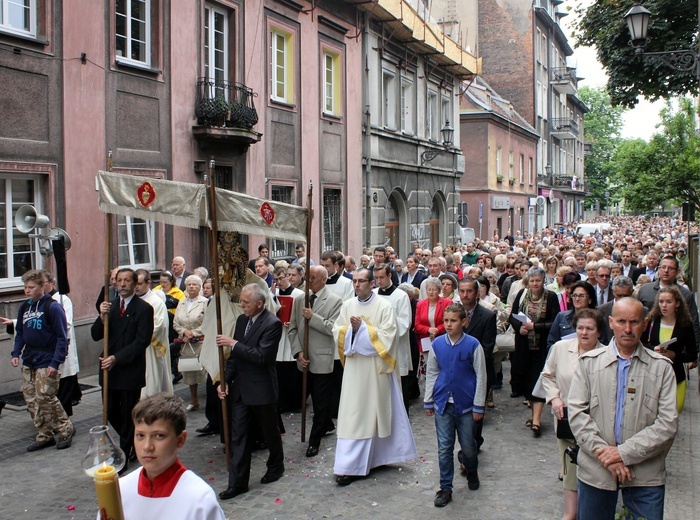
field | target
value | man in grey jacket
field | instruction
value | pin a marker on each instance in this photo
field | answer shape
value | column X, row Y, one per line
column 622, row 410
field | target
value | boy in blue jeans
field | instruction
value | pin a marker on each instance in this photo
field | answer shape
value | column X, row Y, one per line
column 455, row 392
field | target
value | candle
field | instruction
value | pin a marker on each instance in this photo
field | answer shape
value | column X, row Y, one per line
column 109, row 499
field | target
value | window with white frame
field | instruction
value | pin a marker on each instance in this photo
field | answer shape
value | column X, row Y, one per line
column 499, row 161
column 406, row 106
column 331, row 83
column 18, row 252
column 511, row 166
column 522, row 169
column 282, row 194
column 282, row 63
column 389, row 99
column 432, row 117
column 18, row 17
column 216, row 49
column 446, row 107
column 136, row 242
column 133, row 31
column 530, row 178
column 332, row 219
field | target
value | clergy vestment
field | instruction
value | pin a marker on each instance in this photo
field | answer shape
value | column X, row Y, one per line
column 176, row 494
column 158, row 373
column 373, row 426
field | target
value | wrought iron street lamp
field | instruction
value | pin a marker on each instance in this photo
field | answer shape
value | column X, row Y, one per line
column 684, row 60
column 447, row 140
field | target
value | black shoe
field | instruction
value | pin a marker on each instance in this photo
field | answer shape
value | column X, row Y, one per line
column 473, row 480
column 329, row 430
column 268, row 477
column 443, row 497
column 312, row 451
column 259, row 445
column 207, row 430
column 2, row 405
column 177, row 378
column 346, row 480
column 65, row 443
column 516, row 394
column 75, row 402
column 232, row 492
column 41, row 445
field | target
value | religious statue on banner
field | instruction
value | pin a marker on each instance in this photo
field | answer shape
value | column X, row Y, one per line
column 233, row 263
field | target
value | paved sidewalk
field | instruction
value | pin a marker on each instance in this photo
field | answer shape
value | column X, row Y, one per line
column 518, row 472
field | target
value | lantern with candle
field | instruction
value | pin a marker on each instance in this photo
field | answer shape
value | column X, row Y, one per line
column 103, row 460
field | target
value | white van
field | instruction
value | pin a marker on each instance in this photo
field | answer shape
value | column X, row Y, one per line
column 595, row 228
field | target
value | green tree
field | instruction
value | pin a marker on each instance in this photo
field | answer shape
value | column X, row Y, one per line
column 673, row 26
column 602, row 129
column 667, row 169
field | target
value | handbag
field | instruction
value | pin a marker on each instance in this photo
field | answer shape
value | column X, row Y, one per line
column 505, row 342
column 190, row 364
column 564, row 428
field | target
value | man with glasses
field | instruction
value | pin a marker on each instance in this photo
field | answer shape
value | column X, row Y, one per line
column 373, row 427
column 603, row 291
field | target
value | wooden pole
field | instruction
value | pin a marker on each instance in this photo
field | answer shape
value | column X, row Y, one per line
column 304, row 374
column 105, row 318
column 214, row 254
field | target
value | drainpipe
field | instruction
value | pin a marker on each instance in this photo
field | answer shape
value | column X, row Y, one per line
column 367, row 144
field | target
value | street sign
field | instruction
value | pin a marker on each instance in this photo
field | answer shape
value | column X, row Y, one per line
column 481, row 211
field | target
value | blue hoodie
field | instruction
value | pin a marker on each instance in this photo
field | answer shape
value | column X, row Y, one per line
column 43, row 346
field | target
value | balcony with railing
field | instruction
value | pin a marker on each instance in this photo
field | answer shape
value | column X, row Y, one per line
column 564, row 80
column 571, row 182
column 225, row 111
column 564, row 128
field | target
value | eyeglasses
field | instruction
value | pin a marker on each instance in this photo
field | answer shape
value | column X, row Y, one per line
column 602, row 276
column 579, row 296
column 358, row 282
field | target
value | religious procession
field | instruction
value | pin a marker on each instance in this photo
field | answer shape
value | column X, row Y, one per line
column 345, row 360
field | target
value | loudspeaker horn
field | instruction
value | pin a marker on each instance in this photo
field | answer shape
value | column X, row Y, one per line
column 27, row 219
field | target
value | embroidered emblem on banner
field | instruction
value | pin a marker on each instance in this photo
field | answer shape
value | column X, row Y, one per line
column 268, row 214
column 146, row 194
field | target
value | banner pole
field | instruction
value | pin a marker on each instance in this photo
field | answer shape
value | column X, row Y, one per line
column 214, row 254
column 105, row 318
column 305, row 370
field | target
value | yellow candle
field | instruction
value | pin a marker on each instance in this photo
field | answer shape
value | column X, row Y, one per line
column 109, row 499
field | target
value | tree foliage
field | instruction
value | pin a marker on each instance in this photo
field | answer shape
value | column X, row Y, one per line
column 666, row 169
column 602, row 129
column 673, row 27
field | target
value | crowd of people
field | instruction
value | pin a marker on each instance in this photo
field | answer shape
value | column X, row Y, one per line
column 599, row 329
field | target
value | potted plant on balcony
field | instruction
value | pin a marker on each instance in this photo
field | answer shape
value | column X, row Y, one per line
column 499, row 178
column 214, row 111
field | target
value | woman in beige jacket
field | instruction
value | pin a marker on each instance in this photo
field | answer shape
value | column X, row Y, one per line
column 187, row 323
column 556, row 380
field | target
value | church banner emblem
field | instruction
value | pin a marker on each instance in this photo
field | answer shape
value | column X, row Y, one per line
column 146, row 194
column 268, row 214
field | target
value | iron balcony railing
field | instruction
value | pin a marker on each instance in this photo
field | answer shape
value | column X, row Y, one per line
column 564, row 124
column 225, row 104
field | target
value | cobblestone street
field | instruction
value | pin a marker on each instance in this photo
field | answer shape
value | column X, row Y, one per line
column 518, row 472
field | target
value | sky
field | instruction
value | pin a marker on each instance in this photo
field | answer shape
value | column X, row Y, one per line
column 641, row 121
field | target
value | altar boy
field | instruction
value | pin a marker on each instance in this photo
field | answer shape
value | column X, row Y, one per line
column 163, row 487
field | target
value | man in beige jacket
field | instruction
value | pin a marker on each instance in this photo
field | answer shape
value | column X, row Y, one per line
column 622, row 410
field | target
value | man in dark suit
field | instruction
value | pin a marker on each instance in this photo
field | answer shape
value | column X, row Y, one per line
column 130, row 333
column 481, row 324
column 321, row 314
column 603, row 290
column 651, row 269
column 413, row 275
column 251, row 377
column 177, row 267
column 622, row 287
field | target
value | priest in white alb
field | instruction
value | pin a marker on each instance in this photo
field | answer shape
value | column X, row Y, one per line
column 158, row 374
column 373, row 427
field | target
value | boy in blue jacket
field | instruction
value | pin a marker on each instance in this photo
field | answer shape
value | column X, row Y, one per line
column 455, row 393
column 40, row 338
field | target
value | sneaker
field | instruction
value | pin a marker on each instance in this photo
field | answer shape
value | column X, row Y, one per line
column 443, row 497
column 65, row 443
column 473, row 480
column 40, row 445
